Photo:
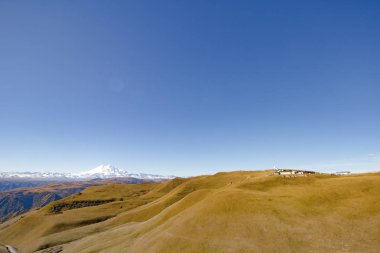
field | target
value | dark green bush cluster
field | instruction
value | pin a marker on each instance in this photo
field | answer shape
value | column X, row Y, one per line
column 62, row 206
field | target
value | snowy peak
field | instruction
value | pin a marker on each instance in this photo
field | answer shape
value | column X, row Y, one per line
column 103, row 171
column 109, row 171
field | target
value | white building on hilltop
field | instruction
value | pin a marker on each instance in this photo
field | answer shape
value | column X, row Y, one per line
column 342, row 173
column 292, row 172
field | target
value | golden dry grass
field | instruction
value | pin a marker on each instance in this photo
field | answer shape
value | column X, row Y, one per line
column 3, row 249
column 225, row 212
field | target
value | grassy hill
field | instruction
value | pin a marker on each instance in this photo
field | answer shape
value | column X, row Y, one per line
column 225, row 212
column 17, row 201
column 3, row 249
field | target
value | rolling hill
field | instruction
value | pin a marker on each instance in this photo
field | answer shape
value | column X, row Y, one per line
column 17, row 201
column 227, row 212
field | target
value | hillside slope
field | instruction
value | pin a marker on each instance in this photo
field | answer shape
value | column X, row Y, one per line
column 226, row 212
column 21, row 200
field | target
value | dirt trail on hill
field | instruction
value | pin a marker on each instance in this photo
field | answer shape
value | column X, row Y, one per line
column 11, row 249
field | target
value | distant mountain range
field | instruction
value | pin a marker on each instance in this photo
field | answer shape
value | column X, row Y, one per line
column 100, row 172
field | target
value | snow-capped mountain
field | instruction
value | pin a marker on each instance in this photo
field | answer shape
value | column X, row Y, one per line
column 102, row 171
column 109, row 171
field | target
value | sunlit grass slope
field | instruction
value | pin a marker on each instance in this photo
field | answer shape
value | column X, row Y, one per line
column 226, row 212
column 3, row 249
column 20, row 200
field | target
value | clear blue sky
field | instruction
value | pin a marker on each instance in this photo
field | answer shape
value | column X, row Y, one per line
column 189, row 87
